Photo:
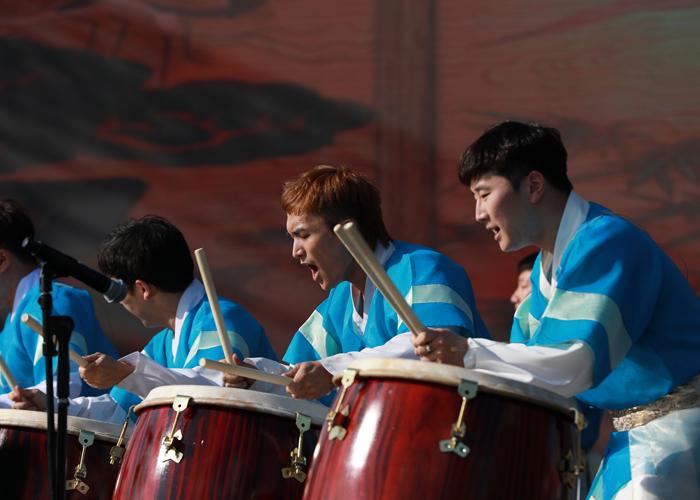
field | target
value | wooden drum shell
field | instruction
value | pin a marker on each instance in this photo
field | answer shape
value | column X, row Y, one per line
column 232, row 452
column 391, row 450
column 24, row 462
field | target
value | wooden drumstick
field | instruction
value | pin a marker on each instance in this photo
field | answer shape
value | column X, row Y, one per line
column 245, row 372
column 8, row 375
column 358, row 247
column 36, row 326
column 214, row 303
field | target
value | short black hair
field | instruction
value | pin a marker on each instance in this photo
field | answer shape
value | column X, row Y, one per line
column 15, row 226
column 149, row 249
column 527, row 263
column 513, row 150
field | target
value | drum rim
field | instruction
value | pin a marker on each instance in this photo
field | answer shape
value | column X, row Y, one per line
column 258, row 401
column 422, row 371
column 32, row 420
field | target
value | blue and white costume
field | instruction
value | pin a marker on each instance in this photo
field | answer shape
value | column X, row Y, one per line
column 622, row 322
column 172, row 357
column 435, row 287
column 22, row 347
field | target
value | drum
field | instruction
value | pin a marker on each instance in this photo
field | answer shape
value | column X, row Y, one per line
column 24, row 464
column 408, row 429
column 193, row 442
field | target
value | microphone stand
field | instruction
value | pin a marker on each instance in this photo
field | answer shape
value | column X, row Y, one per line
column 61, row 327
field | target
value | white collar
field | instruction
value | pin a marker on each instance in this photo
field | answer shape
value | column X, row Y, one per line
column 574, row 215
column 383, row 254
column 190, row 298
column 25, row 284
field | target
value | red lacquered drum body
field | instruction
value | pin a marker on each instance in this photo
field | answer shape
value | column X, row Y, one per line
column 24, row 465
column 234, row 445
column 399, row 411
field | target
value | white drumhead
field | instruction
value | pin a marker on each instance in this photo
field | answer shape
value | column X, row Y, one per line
column 451, row 375
column 236, row 398
column 37, row 420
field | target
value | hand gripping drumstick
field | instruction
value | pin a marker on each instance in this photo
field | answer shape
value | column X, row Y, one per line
column 245, row 372
column 214, row 303
column 8, row 375
column 357, row 246
column 36, row 326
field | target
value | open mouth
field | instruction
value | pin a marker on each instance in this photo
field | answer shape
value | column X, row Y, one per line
column 314, row 271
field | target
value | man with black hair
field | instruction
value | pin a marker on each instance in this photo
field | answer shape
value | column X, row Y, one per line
column 610, row 319
column 20, row 346
column 151, row 256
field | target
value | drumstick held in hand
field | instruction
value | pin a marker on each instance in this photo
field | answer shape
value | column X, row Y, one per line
column 8, row 375
column 244, row 372
column 214, row 302
column 358, row 247
column 36, row 326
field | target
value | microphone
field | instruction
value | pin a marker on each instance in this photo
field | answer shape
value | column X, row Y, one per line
column 113, row 290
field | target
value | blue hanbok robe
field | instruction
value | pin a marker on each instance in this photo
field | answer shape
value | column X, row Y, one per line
column 436, row 288
column 22, row 347
column 199, row 339
column 621, row 294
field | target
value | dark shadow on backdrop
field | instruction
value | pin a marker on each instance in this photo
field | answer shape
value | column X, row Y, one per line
column 57, row 103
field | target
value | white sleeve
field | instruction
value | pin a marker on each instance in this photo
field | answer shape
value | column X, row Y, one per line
column 75, row 385
column 149, row 374
column 397, row 347
column 104, row 408
column 269, row 366
column 564, row 371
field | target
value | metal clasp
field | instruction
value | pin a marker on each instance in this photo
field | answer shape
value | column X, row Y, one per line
column 86, row 439
column 117, row 451
column 573, row 465
column 298, row 460
column 467, row 389
column 170, row 451
column 337, row 424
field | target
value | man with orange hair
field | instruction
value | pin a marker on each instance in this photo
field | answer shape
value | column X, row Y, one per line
column 355, row 316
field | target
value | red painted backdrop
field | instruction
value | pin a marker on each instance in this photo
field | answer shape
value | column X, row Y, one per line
column 197, row 111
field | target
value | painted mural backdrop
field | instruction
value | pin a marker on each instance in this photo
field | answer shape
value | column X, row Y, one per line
column 198, row 111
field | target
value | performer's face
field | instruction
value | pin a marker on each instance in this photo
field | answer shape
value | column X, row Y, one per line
column 136, row 302
column 504, row 210
column 317, row 247
column 523, row 289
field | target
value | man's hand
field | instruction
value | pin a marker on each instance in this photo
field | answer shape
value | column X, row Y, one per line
column 311, row 381
column 440, row 345
column 236, row 381
column 104, row 372
column 28, row 399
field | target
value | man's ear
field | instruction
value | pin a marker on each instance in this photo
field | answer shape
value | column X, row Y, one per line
column 145, row 290
column 5, row 260
column 536, row 186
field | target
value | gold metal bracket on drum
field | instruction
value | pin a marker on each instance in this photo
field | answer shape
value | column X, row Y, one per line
column 467, row 389
column 170, row 451
column 336, row 429
column 86, row 439
column 573, row 465
column 117, row 451
column 298, row 460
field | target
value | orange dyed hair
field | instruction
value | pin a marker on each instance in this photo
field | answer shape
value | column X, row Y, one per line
column 335, row 194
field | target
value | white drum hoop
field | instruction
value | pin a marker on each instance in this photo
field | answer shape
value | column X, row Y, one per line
column 227, row 397
column 104, row 431
column 438, row 373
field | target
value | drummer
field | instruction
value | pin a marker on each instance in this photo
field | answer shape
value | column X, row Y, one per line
column 354, row 316
column 151, row 256
column 20, row 291
column 610, row 318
